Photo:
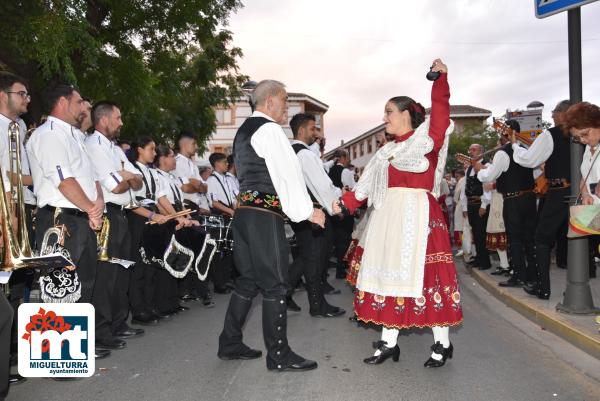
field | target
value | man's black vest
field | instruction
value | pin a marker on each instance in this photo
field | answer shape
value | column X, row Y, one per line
column 473, row 187
column 559, row 163
column 516, row 178
column 252, row 171
column 335, row 173
column 297, row 148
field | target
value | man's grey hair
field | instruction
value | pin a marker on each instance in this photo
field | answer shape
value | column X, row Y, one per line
column 264, row 89
column 563, row 106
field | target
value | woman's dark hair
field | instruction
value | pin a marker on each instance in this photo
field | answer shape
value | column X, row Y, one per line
column 162, row 150
column 139, row 142
column 582, row 115
column 416, row 110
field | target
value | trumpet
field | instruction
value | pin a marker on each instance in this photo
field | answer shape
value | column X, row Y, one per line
column 14, row 233
column 102, row 239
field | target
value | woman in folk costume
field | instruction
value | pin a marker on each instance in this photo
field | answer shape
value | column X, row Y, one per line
column 496, row 233
column 407, row 276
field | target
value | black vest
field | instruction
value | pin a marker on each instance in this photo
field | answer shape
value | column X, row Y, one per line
column 335, row 173
column 516, row 178
column 297, row 148
column 252, row 171
column 473, row 187
column 558, row 164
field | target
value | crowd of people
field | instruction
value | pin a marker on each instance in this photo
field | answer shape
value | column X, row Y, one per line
column 176, row 227
column 517, row 203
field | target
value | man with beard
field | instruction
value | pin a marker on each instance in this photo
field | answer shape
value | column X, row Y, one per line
column 314, row 243
column 116, row 176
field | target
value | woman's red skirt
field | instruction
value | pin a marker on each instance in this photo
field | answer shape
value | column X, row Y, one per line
column 353, row 258
column 440, row 304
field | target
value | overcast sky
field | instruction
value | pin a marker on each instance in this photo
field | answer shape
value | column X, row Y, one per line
column 354, row 55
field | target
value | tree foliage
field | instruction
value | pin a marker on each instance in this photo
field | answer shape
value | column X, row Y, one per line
column 166, row 62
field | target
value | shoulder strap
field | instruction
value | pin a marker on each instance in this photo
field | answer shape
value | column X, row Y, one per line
column 229, row 204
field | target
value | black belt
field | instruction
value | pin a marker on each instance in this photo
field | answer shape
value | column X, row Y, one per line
column 110, row 205
column 66, row 210
column 556, row 183
column 474, row 199
column 516, row 194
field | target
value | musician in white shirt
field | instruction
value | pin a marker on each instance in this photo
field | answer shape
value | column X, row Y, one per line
column 64, row 178
column 186, row 169
column 220, row 192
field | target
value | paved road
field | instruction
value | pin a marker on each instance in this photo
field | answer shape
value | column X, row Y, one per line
column 494, row 359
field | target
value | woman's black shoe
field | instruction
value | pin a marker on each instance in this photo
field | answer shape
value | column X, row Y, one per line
column 386, row 352
column 439, row 349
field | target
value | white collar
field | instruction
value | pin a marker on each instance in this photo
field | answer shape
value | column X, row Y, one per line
column 261, row 114
column 103, row 138
column 60, row 122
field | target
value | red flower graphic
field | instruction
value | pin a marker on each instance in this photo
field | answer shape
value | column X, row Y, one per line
column 44, row 321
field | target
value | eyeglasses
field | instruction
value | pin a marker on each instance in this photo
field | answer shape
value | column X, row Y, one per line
column 23, row 94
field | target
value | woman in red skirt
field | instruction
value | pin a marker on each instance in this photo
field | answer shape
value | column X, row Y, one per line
column 407, row 276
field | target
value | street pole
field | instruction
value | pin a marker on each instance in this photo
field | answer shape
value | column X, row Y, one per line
column 578, row 295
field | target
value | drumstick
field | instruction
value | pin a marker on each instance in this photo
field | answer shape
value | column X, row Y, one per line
column 176, row 215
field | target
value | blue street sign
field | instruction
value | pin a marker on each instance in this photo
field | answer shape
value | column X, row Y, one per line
column 546, row 8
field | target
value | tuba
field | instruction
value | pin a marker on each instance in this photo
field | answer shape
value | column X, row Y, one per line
column 15, row 239
column 102, row 239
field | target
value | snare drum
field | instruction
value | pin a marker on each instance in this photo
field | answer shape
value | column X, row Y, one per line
column 219, row 229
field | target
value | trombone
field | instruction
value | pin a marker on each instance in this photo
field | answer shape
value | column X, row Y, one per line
column 14, row 232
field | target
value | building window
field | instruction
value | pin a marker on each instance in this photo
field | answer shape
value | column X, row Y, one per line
column 224, row 116
column 361, row 148
column 354, row 151
column 370, row 146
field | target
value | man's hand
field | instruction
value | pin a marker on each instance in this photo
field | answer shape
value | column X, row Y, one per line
column 94, row 223
column 318, row 218
column 482, row 212
column 513, row 137
column 97, row 210
column 488, row 186
column 126, row 175
column 336, row 207
column 159, row 218
column 586, row 199
column 439, row 66
column 465, row 215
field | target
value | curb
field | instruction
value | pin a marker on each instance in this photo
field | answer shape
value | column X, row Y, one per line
column 551, row 321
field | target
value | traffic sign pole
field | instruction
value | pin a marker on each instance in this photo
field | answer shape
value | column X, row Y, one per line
column 578, row 295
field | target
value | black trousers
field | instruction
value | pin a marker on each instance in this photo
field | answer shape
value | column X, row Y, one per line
column 554, row 219
column 166, row 291
column 112, row 280
column 342, row 236
column 261, row 256
column 6, row 321
column 479, row 227
column 142, row 281
column 81, row 244
column 519, row 220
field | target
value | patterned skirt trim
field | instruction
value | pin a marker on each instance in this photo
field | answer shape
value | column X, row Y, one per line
column 496, row 242
column 412, row 325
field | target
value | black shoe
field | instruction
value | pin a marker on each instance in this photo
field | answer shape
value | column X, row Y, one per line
column 129, row 332
column 543, row 295
column 207, row 302
column 245, row 353
column 144, row 319
column 531, row 288
column 296, row 364
column 181, row 308
column 386, row 353
column 333, row 311
column 222, row 290
column 101, row 353
column 16, row 379
column 439, row 349
column 110, row 343
column 161, row 315
column 511, row 282
column 292, row 305
column 499, row 272
column 187, row 298
column 484, row 267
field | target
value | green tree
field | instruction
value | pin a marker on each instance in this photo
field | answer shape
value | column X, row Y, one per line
column 472, row 133
column 166, row 62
